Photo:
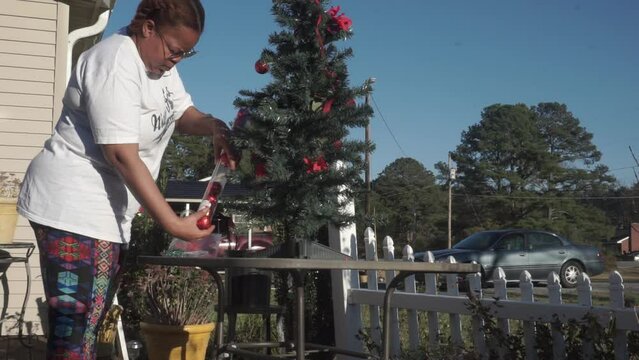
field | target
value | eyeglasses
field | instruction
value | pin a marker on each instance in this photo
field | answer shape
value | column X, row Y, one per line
column 174, row 55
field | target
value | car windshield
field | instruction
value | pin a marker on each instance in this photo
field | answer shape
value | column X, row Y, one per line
column 478, row 241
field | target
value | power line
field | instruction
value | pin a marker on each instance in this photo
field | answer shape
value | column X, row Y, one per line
column 545, row 198
column 388, row 127
column 624, row 168
column 472, row 206
column 636, row 161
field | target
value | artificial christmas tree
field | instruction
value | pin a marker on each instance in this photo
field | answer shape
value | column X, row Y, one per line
column 296, row 129
column 297, row 156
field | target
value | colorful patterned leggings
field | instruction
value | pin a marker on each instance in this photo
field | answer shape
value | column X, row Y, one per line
column 80, row 280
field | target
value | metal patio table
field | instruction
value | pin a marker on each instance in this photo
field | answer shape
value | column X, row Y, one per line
column 296, row 266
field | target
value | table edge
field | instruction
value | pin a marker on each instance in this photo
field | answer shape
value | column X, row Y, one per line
column 309, row 264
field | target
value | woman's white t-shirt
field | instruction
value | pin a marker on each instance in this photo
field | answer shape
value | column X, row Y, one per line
column 110, row 99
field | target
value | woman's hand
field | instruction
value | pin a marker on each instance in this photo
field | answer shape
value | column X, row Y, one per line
column 194, row 122
column 221, row 136
column 185, row 228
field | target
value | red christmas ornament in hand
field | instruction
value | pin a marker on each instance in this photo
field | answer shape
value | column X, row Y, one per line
column 261, row 66
column 204, row 222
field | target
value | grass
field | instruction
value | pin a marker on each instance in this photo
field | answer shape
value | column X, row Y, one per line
column 629, row 274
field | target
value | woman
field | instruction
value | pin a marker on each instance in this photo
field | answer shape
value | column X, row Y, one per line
column 124, row 100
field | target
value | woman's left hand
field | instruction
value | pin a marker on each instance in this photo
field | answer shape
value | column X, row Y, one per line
column 194, row 122
column 221, row 144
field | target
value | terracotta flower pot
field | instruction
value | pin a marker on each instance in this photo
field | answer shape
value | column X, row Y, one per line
column 8, row 219
column 169, row 342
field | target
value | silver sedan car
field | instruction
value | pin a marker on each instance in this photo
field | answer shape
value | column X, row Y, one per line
column 539, row 252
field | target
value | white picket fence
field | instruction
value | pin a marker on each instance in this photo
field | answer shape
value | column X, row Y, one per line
column 453, row 304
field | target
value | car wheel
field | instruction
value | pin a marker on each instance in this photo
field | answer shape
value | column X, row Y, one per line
column 570, row 273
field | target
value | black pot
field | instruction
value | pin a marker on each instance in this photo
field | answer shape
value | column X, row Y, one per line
column 247, row 288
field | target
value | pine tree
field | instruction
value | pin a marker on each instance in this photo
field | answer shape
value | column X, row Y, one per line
column 295, row 130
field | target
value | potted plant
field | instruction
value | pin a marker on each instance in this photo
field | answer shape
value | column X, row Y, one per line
column 178, row 316
column 9, row 189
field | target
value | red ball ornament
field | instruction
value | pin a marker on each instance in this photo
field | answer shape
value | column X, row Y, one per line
column 213, row 200
column 224, row 159
column 261, row 66
column 216, row 188
column 204, row 222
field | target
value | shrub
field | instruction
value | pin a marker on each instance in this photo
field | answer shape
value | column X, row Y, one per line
column 177, row 295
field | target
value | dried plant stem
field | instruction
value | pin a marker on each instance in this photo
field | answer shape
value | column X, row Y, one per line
column 179, row 296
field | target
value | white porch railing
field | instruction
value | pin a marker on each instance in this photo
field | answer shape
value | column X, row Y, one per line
column 453, row 304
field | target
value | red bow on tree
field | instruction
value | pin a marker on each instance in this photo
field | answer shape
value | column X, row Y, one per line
column 315, row 166
column 338, row 22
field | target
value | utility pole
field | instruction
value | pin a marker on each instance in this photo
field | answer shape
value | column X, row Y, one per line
column 451, row 177
column 367, row 156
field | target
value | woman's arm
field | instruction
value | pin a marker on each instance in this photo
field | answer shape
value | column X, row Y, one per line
column 125, row 158
column 194, row 122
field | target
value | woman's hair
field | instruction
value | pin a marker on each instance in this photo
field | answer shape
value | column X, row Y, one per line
column 189, row 13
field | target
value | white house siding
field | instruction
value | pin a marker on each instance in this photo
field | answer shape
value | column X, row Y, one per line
column 33, row 45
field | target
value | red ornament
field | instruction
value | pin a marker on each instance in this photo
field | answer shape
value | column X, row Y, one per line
column 216, row 188
column 337, row 145
column 213, row 200
column 204, row 222
column 261, row 66
column 224, row 159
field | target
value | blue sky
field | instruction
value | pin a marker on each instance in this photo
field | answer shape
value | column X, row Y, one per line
column 438, row 63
